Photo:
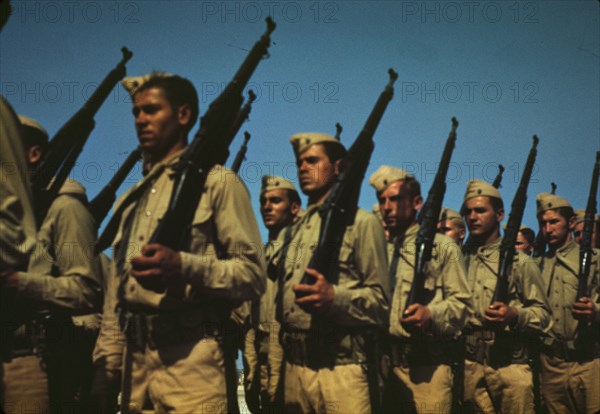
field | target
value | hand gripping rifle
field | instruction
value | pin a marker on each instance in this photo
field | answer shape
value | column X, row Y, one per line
column 585, row 250
column 206, row 150
column 341, row 205
column 339, row 211
column 507, row 247
column 66, row 145
column 101, row 204
column 428, row 219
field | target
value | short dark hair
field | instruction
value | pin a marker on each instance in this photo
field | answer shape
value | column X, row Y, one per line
column 33, row 136
column 566, row 212
column 334, row 151
column 293, row 196
column 413, row 187
column 528, row 234
column 179, row 91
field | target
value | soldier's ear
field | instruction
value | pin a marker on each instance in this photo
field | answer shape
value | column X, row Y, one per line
column 418, row 202
column 295, row 208
column 500, row 215
column 34, row 154
column 184, row 115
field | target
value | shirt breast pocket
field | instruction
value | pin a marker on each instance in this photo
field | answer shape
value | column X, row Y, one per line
column 202, row 230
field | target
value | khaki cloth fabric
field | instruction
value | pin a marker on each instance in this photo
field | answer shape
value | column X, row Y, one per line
column 424, row 389
column 488, row 382
column 446, row 283
column 64, row 275
column 571, row 386
column 508, row 389
column 17, row 222
column 341, row 389
column 222, row 266
column 317, row 346
column 427, row 384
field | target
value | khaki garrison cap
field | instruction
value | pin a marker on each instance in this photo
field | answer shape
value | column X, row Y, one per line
column 273, row 182
column 133, row 83
column 580, row 216
column 477, row 188
column 386, row 175
column 32, row 123
column 547, row 201
column 303, row 140
column 450, row 214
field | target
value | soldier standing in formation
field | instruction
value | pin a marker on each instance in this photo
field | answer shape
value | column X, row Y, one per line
column 420, row 335
column 497, row 375
column 570, row 358
column 180, row 298
column 63, row 279
column 322, row 324
column 279, row 207
column 452, row 225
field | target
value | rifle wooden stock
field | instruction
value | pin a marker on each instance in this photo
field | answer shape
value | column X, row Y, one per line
column 507, row 247
column 241, row 155
column 101, row 204
column 586, row 248
column 206, row 150
column 66, row 145
column 428, row 219
column 341, row 205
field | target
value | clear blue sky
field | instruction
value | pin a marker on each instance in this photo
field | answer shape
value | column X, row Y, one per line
column 506, row 70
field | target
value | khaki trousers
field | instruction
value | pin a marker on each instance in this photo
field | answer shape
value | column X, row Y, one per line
column 504, row 390
column 422, row 389
column 183, row 378
column 341, row 390
column 25, row 386
column 571, row 387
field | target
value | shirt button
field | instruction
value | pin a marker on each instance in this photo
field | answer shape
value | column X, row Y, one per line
column 153, row 191
column 308, row 226
column 141, row 238
column 148, row 212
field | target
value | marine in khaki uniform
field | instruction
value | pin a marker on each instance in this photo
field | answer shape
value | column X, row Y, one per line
column 323, row 326
column 279, row 207
column 497, row 375
column 63, row 279
column 177, row 363
column 421, row 336
column 452, row 225
column 17, row 221
column 570, row 357
column 17, row 225
column 578, row 228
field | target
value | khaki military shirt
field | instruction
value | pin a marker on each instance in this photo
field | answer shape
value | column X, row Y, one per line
column 64, row 272
column 560, row 276
column 526, row 292
column 445, row 284
column 361, row 295
column 223, row 258
column 17, row 223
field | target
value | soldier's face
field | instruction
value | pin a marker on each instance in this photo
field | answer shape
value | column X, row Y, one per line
column 578, row 233
column 276, row 209
column 397, row 207
column 555, row 228
column 522, row 244
column 157, row 123
column 316, row 172
column 480, row 216
column 450, row 229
